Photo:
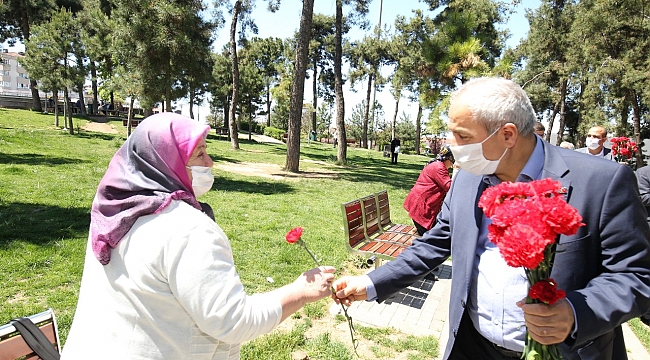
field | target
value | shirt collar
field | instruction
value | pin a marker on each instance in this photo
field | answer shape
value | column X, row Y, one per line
column 531, row 171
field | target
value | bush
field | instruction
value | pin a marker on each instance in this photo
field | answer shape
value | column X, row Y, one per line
column 274, row 132
column 256, row 128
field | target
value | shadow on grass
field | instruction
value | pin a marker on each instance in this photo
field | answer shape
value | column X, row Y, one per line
column 41, row 224
column 36, row 159
column 96, row 135
column 255, row 186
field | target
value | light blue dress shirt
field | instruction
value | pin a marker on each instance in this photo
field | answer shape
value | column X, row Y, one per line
column 492, row 299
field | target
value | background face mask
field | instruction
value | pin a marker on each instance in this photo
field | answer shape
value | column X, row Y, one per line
column 202, row 179
column 592, row 143
column 471, row 159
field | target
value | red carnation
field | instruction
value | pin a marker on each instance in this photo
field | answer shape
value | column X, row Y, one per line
column 294, row 235
column 546, row 291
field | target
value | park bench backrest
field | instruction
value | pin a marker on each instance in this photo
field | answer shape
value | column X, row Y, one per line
column 371, row 215
column 383, row 208
column 12, row 345
column 354, row 229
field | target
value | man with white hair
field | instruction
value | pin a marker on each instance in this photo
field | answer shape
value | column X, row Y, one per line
column 604, row 268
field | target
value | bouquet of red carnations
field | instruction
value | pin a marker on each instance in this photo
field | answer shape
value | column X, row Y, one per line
column 527, row 218
column 623, row 149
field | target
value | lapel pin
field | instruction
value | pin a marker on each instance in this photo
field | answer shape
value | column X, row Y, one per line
column 563, row 190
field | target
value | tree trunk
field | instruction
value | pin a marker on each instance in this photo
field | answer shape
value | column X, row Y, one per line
column 298, row 87
column 67, row 114
column 93, row 74
column 560, row 131
column 314, row 89
column 338, row 85
column 129, row 120
column 397, row 98
column 33, row 85
column 191, row 104
column 234, row 139
column 82, row 102
column 366, row 114
column 55, row 96
column 250, row 119
column 268, row 102
column 418, row 129
column 636, row 115
column 551, row 120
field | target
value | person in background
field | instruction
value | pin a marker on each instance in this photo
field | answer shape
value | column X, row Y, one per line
column 424, row 200
column 595, row 141
column 539, row 129
column 604, row 268
column 394, row 150
column 643, row 180
column 159, row 280
column 567, row 145
column 335, row 135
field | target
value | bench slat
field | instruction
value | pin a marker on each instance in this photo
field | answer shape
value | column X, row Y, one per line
column 365, row 231
column 12, row 344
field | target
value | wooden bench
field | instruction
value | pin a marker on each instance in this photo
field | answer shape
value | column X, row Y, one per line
column 221, row 131
column 384, row 216
column 365, row 235
column 134, row 122
column 12, row 344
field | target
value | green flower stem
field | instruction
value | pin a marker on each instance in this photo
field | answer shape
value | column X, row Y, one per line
column 533, row 349
column 355, row 342
column 302, row 243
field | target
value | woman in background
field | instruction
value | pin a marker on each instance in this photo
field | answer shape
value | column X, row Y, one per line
column 424, row 200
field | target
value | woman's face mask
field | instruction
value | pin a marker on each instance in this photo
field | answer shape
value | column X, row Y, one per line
column 471, row 159
column 202, row 179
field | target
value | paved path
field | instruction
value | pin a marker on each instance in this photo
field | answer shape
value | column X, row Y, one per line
column 422, row 309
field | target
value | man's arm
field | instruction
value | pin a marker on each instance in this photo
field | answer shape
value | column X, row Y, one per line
column 643, row 179
column 622, row 289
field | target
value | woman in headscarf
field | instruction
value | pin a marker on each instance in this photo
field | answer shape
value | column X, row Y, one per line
column 159, row 280
column 424, row 200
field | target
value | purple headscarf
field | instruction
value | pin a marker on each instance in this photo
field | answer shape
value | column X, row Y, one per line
column 143, row 177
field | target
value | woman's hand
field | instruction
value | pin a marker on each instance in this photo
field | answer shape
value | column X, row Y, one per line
column 316, row 283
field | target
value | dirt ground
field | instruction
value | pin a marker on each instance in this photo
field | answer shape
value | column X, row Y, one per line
column 271, row 171
column 100, row 127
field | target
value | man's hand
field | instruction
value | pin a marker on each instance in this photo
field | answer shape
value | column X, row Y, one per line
column 350, row 288
column 548, row 324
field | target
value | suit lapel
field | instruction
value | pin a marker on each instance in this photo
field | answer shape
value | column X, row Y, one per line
column 556, row 169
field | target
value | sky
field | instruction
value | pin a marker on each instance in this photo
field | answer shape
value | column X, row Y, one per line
column 285, row 22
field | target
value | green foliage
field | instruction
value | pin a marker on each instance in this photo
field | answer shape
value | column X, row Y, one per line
column 49, row 52
column 255, row 126
column 274, row 132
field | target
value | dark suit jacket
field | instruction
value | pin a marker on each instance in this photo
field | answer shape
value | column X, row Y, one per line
column 607, row 153
column 643, row 179
column 604, row 268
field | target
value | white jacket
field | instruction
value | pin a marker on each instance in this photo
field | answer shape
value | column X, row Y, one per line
column 170, row 291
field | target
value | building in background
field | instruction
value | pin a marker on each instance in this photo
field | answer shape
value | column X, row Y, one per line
column 15, row 80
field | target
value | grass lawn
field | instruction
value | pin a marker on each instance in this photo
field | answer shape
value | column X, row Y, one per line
column 48, row 179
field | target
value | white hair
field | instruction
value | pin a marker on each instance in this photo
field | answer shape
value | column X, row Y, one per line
column 494, row 102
